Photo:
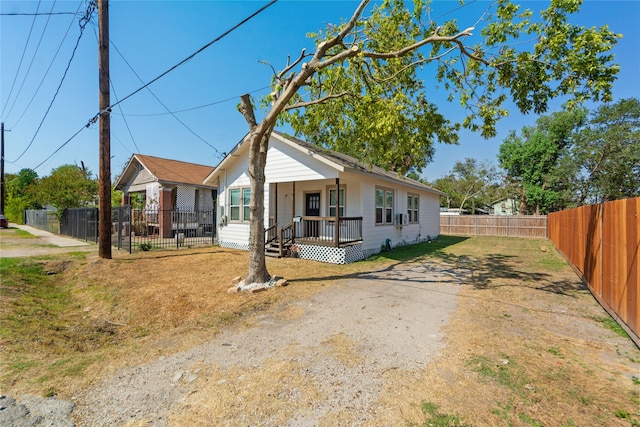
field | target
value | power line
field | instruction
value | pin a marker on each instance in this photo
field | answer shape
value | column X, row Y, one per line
column 113, row 88
column 124, row 118
column 188, row 58
column 24, row 51
column 95, row 118
column 199, row 106
column 159, row 101
column 37, row 13
column 83, row 23
column 46, row 73
column 60, row 147
column 33, row 58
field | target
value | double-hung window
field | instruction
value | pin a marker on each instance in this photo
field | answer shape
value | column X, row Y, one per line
column 246, row 200
column 336, row 202
column 384, row 206
column 239, row 199
column 413, row 208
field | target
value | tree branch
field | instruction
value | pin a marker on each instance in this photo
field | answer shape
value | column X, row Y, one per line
column 246, row 109
column 318, row 101
column 413, row 64
column 291, row 65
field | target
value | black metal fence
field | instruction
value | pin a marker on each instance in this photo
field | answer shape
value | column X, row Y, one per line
column 145, row 229
column 133, row 229
column 80, row 223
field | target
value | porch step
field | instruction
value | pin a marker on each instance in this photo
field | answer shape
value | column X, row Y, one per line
column 273, row 250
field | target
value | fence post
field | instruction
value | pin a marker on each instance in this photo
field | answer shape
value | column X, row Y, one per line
column 130, row 209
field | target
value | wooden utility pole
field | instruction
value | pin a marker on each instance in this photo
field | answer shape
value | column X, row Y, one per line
column 104, row 179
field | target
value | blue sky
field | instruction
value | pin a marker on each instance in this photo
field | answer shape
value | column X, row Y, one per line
column 149, row 37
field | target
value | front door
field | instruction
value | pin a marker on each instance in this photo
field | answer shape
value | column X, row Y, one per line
column 312, row 208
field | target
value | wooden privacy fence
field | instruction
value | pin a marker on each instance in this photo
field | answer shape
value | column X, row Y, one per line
column 602, row 243
column 490, row 225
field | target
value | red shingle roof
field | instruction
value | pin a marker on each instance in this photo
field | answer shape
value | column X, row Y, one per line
column 165, row 171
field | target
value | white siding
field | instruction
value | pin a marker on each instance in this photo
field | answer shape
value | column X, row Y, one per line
column 286, row 164
column 285, row 196
column 375, row 236
column 235, row 176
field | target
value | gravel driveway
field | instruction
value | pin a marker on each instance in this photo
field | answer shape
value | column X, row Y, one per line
column 341, row 343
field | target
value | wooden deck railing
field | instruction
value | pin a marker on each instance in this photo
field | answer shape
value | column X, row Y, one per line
column 271, row 234
column 316, row 230
column 323, row 230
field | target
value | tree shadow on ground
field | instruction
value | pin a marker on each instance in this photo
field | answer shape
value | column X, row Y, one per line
column 494, row 270
column 483, row 272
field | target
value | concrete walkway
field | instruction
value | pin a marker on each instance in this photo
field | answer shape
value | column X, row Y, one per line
column 45, row 243
column 51, row 238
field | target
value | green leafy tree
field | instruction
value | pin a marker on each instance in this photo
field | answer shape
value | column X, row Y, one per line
column 68, row 186
column 606, row 154
column 470, row 183
column 531, row 159
column 359, row 92
column 21, row 194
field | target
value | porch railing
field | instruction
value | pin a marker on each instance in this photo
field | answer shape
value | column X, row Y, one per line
column 271, row 234
column 316, row 230
column 287, row 235
column 323, row 230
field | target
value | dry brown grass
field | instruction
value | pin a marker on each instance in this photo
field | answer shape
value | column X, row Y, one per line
column 143, row 305
column 523, row 348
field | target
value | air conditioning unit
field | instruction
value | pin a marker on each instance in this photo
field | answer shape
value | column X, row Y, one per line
column 402, row 219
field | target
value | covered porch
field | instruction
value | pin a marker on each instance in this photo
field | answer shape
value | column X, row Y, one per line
column 308, row 217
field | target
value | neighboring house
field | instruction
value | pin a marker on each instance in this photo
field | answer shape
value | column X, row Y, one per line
column 309, row 190
column 508, row 206
column 172, row 193
column 452, row 211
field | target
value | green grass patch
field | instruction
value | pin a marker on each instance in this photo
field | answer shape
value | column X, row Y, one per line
column 610, row 324
column 505, row 372
column 37, row 302
column 434, row 418
column 433, row 248
column 23, row 234
column 526, row 418
column 551, row 261
column 42, row 326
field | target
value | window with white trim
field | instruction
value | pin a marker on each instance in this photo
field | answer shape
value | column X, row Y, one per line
column 413, row 208
column 246, row 200
column 384, row 206
column 339, row 202
column 239, row 199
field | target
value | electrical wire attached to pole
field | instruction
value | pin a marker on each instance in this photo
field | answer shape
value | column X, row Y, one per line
column 190, row 57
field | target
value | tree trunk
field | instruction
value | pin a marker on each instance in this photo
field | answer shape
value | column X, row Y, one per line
column 257, row 263
column 257, row 160
column 523, row 202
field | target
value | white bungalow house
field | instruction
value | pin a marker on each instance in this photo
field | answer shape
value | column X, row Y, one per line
column 322, row 205
column 172, row 195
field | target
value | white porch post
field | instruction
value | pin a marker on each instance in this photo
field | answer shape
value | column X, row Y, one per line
column 337, row 223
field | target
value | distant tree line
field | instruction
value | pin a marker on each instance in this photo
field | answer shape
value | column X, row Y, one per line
column 68, row 186
column 569, row 158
